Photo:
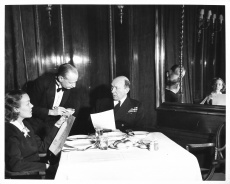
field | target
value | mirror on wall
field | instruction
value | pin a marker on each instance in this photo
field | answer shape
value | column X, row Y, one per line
column 192, row 37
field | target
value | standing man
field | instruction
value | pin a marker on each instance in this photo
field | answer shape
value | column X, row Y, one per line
column 129, row 113
column 49, row 94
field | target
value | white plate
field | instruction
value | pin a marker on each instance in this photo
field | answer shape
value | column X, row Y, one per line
column 140, row 132
column 138, row 135
column 112, row 136
column 73, row 137
column 79, row 143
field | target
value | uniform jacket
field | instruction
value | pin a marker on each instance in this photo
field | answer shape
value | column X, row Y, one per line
column 21, row 153
column 124, row 118
column 170, row 96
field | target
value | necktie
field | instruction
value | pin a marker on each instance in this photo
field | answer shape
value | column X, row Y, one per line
column 59, row 89
column 116, row 108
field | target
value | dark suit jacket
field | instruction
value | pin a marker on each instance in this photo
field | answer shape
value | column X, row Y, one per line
column 170, row 96
column 124, row 119
column 21, row 153
column 42, row 94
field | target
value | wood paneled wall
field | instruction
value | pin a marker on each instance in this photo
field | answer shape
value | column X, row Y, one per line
column 80, row 34
column 86, row 36
column 134, row 40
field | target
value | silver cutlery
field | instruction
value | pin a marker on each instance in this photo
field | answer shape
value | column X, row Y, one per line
column 77, row 149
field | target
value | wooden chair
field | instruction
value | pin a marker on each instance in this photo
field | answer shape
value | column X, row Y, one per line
column 218, row 155
column 25, row 174
column 33, row 174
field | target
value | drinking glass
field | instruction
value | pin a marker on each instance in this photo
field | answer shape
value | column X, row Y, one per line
column 103, row 144
column 98, row 132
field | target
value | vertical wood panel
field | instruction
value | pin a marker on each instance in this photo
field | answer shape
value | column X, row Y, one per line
column 9, row 50
column 50, row 38
column 134, row 66
column 111, row 43
column 29, row 36
column 87, row 46
column 144, row 31
column 134, row 40
column 122, row 41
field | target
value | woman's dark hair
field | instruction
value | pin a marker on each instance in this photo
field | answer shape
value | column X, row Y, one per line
column 214, row 84
column 12, row 101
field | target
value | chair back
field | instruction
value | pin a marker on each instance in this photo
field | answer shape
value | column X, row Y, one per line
column 220, row 142
column 219, row 157
column 217, row 154
column 35, row 174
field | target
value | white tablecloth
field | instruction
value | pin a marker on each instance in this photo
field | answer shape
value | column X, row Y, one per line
column 133, row 165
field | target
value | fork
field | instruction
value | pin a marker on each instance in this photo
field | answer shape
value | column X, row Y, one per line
column 77, row 149
column 130, row 132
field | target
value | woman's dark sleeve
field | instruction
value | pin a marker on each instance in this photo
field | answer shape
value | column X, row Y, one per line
column 43, row 145
column 15, row 160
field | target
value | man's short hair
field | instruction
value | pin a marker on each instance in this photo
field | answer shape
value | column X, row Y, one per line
column 173, row 76
column 127, row 83
column 64, row 69
column 176, row 70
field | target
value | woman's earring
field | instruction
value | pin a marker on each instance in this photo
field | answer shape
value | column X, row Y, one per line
column 16, row 110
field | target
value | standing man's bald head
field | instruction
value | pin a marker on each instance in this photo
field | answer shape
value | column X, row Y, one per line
column 67, row 75
column 120, row 87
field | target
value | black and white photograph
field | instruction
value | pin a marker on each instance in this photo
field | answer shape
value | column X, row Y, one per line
column 115, row 92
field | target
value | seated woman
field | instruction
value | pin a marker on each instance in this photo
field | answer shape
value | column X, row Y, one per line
column 22, row 146
column 218, row 87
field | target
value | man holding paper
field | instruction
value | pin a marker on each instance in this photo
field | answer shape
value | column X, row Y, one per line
column 128, row 113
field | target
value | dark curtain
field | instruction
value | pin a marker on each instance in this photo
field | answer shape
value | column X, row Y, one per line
column 173, row 39
column 189, row 50
column 209, row 59
column 202, row 60
column 20, row 46
column 14, row 49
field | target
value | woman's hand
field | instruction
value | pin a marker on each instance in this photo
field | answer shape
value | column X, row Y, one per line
column 209, row 99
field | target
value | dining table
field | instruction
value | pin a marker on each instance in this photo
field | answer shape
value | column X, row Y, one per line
column 151, row 157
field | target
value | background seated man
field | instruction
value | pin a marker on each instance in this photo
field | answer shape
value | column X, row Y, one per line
column 171, row 91
column 174, row 72
column 129, row 113
column 173, row 83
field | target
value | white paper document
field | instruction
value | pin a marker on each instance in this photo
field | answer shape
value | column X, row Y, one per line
column 61, row 136
column 104, row 120
column 219, row 99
